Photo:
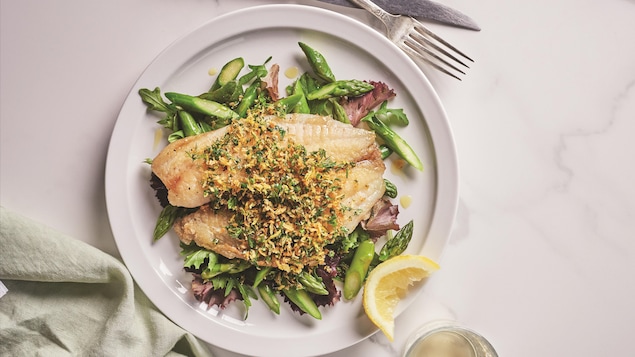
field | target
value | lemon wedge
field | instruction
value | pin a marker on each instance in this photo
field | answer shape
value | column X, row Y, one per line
column 388, row 283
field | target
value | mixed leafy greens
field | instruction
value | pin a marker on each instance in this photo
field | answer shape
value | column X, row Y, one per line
column 218, row 280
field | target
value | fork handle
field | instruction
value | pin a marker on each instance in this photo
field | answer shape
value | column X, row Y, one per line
column 371, row 7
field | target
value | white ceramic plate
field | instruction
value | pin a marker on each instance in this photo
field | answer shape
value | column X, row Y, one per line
column 353, row 50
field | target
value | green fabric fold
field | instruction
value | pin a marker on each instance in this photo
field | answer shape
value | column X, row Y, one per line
column 67, row 298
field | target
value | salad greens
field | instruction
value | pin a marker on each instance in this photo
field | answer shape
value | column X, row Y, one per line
column 219, row 280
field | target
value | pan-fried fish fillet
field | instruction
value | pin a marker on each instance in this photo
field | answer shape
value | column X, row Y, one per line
column 207, row 227
column 278, row 202
column 183, row 176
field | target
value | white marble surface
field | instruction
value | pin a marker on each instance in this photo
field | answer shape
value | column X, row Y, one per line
column 542, row 257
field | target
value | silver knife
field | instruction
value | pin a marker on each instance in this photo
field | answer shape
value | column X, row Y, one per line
column 423, row 9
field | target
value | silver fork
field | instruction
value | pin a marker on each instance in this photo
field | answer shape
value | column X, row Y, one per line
column 417, row 41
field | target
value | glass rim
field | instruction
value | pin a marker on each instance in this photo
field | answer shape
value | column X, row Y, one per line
column 437, row 326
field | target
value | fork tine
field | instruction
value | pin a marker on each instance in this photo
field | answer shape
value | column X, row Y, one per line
column 421, row 42
column 422, row 29
column 421, row 51
column 424, row 41
column 408, row 49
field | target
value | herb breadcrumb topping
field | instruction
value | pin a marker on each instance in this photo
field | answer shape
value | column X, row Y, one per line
column 286, row 202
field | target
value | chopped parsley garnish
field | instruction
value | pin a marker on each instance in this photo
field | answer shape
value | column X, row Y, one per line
column 287, row 202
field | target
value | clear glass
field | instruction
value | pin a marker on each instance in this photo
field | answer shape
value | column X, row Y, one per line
column 447, row 339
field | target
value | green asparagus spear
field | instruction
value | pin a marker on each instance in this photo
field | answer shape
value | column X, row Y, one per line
column 299, row 88
column 318, row 63
column 239, row 267
column 356, row 273
column 302, row 107
column 339, row 113
column 391, row 189
column 308, row 82
column 165, row 221
column 203, row 106
column 397, row 244
column 176, row 136
column 393, row 141
column 385, row 151
column 340, row 88
column 189, row 125
column 303, row 300
column 220, row 268
column 260, row 276
column 205, row 126
column 312, row 283
column 268, row 295
column 287, row 104
column 249, row 98
column 228, row 73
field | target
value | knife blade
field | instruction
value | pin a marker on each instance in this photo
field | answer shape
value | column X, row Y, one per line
column 423, row 9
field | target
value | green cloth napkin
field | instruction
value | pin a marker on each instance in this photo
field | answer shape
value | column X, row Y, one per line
column 67, row 298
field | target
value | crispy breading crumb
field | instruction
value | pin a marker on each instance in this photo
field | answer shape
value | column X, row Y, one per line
column 287, row 202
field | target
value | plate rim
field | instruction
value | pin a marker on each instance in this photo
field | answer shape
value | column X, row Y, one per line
column 447, row 187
